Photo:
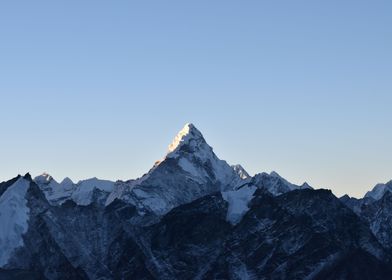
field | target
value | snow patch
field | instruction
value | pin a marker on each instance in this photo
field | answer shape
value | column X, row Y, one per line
column 14, row 215
column 155, row 203
column 238, row 203
column 183, row 136
column 83, row 193
column 241, row 272
column 187, row 166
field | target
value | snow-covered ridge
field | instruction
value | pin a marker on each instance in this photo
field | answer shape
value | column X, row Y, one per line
column 188, row 132
column 81, row 193
column 242, row 194
column 14, row 215
column 379, row 190
column 275, row 184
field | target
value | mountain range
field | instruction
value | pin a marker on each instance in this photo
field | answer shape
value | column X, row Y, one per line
column 191, row 216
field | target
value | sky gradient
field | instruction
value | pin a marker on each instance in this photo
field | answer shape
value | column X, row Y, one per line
column 100, row 88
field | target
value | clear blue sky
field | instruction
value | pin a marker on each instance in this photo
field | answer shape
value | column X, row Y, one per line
column 100, row 88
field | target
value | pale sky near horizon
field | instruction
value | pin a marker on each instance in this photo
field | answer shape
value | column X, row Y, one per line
column 100, row 88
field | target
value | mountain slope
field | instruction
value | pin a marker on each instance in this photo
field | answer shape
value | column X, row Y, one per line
column 14, row 215
column 379, row 190
column 278, row 238
column 189, row 171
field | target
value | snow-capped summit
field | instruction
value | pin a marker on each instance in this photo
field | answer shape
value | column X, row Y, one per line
column 190, row 170
column 379, row 190
column 188, row 135
column 197, row 158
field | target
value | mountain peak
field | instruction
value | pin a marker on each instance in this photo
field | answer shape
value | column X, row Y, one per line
column 67, row 182
column 28, row 177
column 194, row 169
column 44, row 178
column 275, row 174
column 241, row 171
column 186, row 135
column 379, row 190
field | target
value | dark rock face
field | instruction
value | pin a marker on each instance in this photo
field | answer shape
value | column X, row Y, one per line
column 356, row 204
column 377, row 214
column 18, row 274
column 379, row 217
column 189, row 238
column 356, row 264
column 282, row 238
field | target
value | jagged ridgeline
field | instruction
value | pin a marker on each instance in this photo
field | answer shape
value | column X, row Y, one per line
column 192, row 216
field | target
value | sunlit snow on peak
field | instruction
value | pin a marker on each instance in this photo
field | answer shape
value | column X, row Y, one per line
column 189, row 131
